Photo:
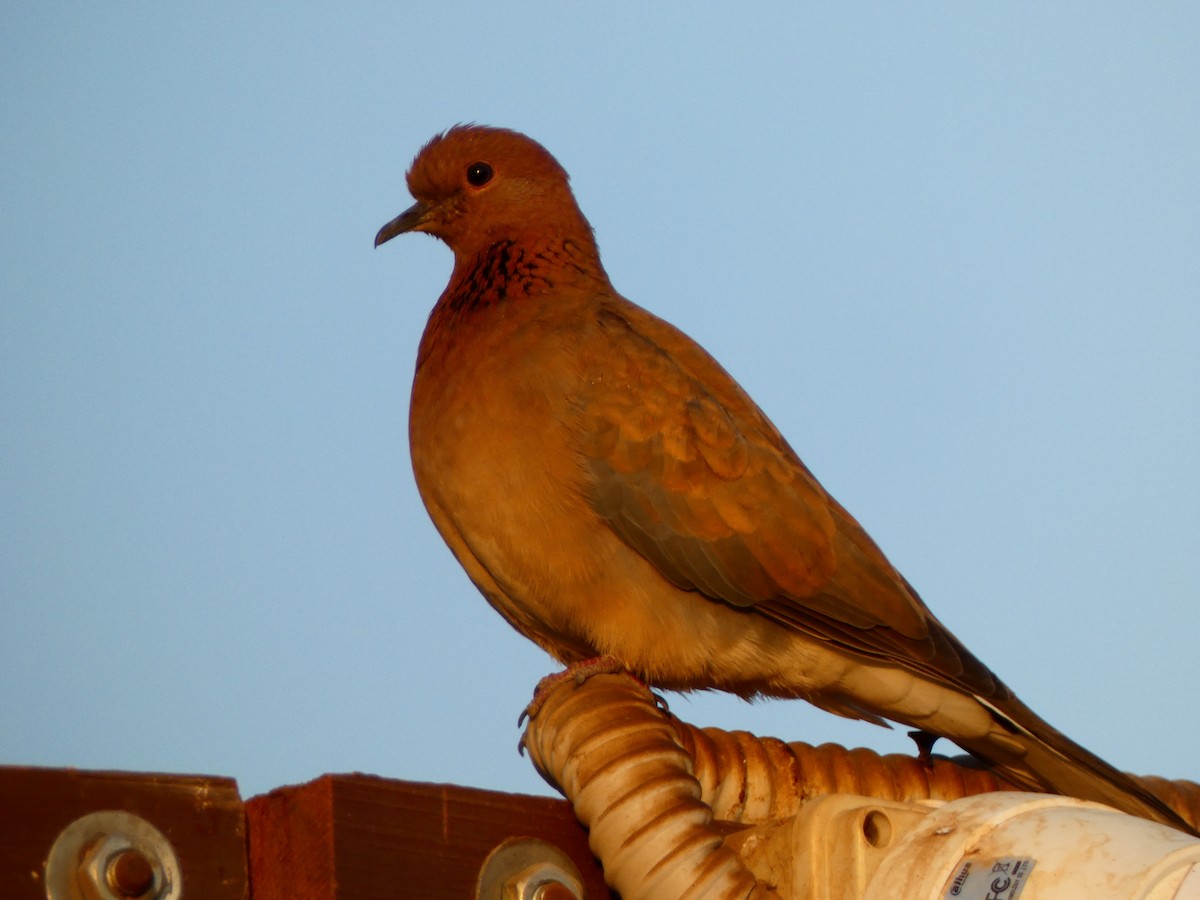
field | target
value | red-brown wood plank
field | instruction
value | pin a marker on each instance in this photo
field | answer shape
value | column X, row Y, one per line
column 201, row 816
column 358, row 837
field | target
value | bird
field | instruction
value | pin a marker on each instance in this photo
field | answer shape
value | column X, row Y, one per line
column 616, row 495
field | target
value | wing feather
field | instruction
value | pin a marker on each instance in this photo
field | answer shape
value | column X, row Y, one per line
column 685, row 468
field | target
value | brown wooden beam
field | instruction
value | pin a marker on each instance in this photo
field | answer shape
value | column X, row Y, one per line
column 358, row 837
column 339, row 837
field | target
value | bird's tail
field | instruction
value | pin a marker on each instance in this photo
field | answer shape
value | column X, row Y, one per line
column 1031, row 753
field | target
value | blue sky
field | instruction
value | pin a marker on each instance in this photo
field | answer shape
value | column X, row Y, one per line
column 951, row 249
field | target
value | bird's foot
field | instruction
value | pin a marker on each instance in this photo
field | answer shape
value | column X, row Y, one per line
column 924, row 741
column 578, row 672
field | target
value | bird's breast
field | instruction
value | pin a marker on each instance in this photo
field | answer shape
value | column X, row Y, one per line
column 490, row 429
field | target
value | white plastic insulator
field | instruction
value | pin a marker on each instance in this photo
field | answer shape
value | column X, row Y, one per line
column 1072, row 848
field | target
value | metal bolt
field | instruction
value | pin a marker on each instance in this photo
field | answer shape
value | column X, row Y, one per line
column 129, row 873
column 526, row 868
column 553, row 890
column 113, row 855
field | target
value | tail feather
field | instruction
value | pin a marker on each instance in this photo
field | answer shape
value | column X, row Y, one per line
column 1031, row 753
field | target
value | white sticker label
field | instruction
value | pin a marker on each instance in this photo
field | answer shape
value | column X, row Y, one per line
column 989, row 879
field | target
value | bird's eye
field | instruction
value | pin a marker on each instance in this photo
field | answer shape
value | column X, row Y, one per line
column 479, row 173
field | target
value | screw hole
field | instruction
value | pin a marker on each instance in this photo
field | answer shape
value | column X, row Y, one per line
column 877, row 828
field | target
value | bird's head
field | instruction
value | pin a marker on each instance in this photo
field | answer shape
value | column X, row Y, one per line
column 475, row 186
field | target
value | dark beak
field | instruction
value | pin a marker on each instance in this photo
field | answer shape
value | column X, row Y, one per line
column 409, row 220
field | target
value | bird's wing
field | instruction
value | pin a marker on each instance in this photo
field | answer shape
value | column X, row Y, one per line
column 685, row 468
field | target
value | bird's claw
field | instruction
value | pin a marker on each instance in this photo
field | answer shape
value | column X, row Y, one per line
column 578, row 672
